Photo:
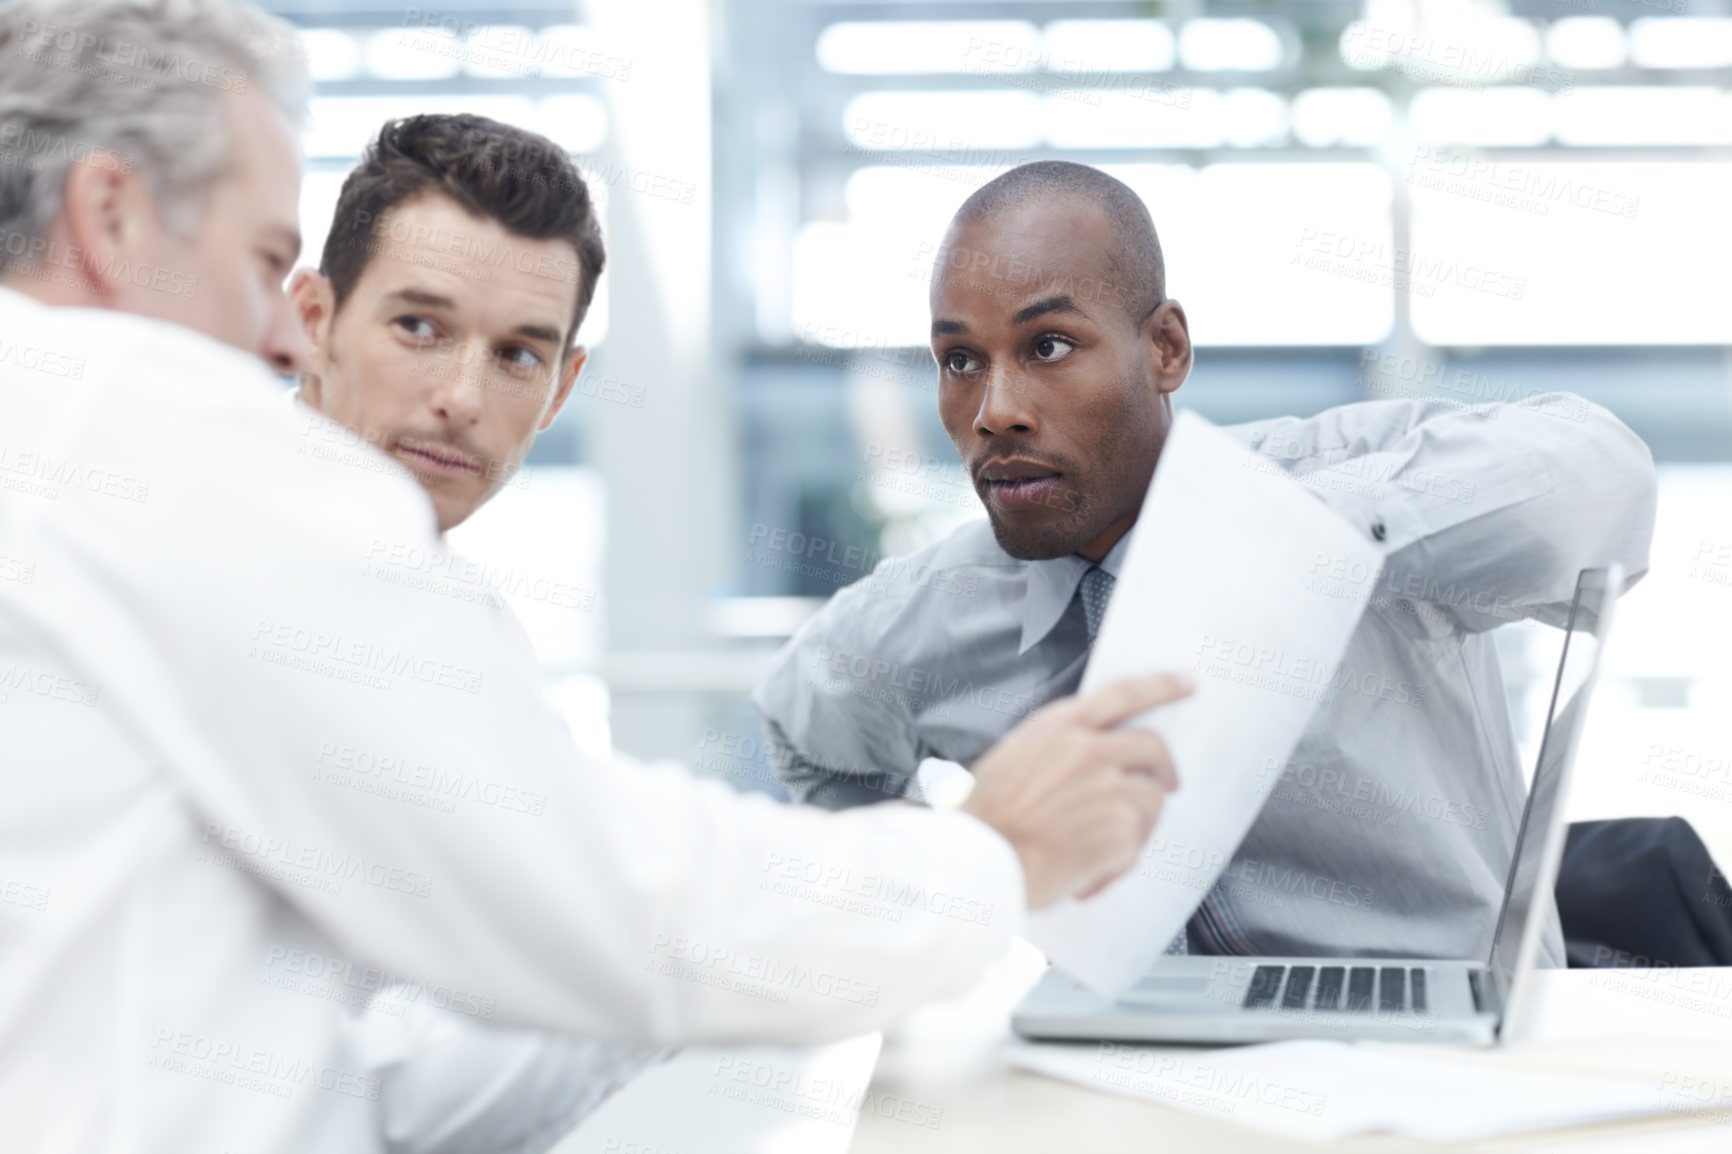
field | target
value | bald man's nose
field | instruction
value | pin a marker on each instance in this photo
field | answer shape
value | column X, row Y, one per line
column 1004, row 407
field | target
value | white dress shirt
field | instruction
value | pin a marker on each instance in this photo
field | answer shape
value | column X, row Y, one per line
column 450, row 1085
column 1391, row 828
column 247, row 780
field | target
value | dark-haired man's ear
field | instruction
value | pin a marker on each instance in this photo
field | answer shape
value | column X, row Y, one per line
column 568, row 371
column 1168, row 333
column 316, row 305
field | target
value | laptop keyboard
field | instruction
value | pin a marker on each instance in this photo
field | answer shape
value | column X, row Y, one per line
column 1298, row 985
column 1360, row 979
column 1391, row 989
column 1329, row 982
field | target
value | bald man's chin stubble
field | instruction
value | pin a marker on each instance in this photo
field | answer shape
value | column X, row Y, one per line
column 1027, row 540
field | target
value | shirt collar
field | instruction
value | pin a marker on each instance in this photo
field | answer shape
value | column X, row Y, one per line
column 1051, row 586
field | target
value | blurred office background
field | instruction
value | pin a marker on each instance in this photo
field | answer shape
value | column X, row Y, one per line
column 1477, row 199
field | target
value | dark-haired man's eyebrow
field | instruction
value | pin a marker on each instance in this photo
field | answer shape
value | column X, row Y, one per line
column 548, row 333
column 1057, row 304
column 948, row 328
column 422, row 298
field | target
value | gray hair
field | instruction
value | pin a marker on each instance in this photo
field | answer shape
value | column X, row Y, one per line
column 139, row 84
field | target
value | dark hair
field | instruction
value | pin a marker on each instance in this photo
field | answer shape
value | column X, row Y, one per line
column 522, row 180
column 1136, row 258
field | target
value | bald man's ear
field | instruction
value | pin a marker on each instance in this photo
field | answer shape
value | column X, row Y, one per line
column 1168, row 334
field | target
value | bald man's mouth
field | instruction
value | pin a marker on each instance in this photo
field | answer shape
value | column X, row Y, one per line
column 1019, row 483
column 437, row 458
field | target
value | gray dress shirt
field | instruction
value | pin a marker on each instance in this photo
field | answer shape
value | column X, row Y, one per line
column 1391, row 828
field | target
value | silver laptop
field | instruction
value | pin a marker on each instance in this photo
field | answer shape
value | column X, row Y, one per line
column 1239, row 999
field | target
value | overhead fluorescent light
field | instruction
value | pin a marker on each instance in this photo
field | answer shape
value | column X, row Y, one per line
column 414, row 54
column 1230, row 46
column 1587, row 42
column 332, row 54
column 883, row 47
column 1681, row 42
column 1495, row 117
column 954, row 124
column 1169, row 118
column 1632, row 115
column 1108, row 46
column 1253, row 117
column 1355, row 117
column 501, row 51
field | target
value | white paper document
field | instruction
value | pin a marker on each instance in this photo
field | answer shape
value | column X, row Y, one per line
column 745, row 1100
column 1320, row 1091
column 1232, row 575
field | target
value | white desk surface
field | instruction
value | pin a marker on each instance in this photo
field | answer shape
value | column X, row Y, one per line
column 943, row 1065
column 941, row 1085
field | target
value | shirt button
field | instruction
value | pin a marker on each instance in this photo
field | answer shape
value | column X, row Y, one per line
column 1378, row 531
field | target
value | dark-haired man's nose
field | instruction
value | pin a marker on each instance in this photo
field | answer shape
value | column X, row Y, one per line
column 459, row 397
column 1004, row 408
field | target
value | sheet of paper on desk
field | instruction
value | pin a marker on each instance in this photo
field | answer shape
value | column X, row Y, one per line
column 1320, row 1091
column 742, row 1100
column 1240, row 576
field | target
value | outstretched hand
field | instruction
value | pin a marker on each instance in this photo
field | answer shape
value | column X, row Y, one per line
column 1076, row 797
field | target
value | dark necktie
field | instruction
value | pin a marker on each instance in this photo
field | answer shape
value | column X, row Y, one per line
column 1096, row 590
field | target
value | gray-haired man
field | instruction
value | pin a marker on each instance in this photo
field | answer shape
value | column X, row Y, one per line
column 198, row 629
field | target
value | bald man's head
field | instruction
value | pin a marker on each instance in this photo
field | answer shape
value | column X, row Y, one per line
column 1057, row 355
column 1138, row 272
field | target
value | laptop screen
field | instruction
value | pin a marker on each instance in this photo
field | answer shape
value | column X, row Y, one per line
column 1539, row 842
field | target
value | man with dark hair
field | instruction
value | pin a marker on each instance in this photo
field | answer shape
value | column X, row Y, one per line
column 1058, row 355
column 462, row 258
column 493, row 169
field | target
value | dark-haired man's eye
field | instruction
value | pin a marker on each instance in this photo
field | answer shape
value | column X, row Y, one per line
column 958, row 362
column 520, row 360
column 418, row 329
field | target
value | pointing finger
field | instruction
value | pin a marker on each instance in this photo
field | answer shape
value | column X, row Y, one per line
column 1111, row 704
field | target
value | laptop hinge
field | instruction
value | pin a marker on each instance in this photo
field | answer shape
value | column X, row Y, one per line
column 1488, row 998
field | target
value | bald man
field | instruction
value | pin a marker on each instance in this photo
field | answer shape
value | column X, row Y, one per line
column 1059, row 352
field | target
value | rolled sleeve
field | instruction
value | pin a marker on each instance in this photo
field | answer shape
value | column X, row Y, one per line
column 1489, row 511
column 835, row 740
column 809, row 783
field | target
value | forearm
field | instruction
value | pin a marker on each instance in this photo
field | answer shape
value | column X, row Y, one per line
column 448, row 1086
column 596, row 900
column 810, row 782
column 1490, row 511
column 644, row 906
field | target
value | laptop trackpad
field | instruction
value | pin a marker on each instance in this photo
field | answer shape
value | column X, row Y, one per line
column 1156, row 989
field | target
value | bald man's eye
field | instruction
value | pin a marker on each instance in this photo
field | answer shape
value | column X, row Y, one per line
column 957, row 361
column 1051, row 348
